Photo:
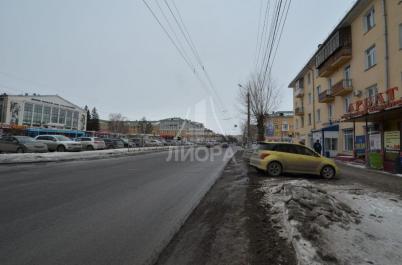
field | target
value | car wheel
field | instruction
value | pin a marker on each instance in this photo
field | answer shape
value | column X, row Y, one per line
column 90, row 148
column 274, row 169
column 61, row 148
column 327, row 172
column 20, row 150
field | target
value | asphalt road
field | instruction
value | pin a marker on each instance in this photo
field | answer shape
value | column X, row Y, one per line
column 109, row 211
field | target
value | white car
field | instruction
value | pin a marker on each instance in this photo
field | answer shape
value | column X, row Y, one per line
column 91, row 143
column 59, row 143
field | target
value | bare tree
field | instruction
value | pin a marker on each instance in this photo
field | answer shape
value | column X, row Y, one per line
column 264, row 98
column 117, row 123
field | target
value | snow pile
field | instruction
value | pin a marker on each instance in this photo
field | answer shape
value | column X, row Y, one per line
column 67, row 156
column 328, row 225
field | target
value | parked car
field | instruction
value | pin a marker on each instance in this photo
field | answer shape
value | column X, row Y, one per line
column 225, row 145
column 91, row 143
column 276, row 158
column 153, row 143
column 113, row 143
column 139, row 142
column 21, row 144
column 59, row 143
column 128, row 143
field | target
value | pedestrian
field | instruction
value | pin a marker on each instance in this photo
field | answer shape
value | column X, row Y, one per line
column 317, row 146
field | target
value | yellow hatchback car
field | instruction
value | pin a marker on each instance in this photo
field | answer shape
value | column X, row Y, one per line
column 277, row 158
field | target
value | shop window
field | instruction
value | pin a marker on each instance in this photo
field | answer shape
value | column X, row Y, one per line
column 28, row 111
column 331, row 144
column 348, row 140
column 371, row 59
column 369, row 20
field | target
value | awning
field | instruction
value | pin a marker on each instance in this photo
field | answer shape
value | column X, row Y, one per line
column 331, row 128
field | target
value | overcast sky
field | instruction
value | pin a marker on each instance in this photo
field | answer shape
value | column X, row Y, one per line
column 113, row 55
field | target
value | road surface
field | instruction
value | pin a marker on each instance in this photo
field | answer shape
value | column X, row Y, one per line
column 109, row 211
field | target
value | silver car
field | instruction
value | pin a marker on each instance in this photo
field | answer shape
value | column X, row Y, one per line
column 59, row 143
column 21, row 144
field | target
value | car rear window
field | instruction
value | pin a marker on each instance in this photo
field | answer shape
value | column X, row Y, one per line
column 266, row 146
column 98, row 139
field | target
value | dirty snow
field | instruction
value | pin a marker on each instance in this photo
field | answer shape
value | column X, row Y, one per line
column 329, row 224
column 66, row 156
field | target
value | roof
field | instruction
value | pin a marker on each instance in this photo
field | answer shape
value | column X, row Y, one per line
column 44, row 97
column 354, row 11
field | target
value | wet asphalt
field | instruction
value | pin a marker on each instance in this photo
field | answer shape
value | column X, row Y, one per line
column 108, row 211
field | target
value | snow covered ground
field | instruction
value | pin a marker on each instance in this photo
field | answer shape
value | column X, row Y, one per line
column 67, row 156
column 333, row 224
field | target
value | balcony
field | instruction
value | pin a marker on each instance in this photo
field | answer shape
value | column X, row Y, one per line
column 338, row 59
column 335, row 52
column 299, row 111
column 342, row 88
column 326, row 97
column 299, row 93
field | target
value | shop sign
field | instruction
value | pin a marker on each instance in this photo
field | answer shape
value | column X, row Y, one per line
column 375, row 161
column 392, row 141
column 360, row 145
column 373, row 104
column 375, row 141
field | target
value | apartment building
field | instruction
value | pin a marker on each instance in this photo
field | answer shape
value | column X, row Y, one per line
column 279, row 126
column 348, row 94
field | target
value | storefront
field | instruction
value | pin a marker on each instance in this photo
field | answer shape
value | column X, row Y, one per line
column 328, row 137
column 382, row 123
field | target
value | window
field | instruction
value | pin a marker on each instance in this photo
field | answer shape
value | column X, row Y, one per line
column 330, row 111
column 55, row 115
column 371, row 92
column 286, row 148
column 75, row 120
column 297, row 124
column 329, row 84
column 309, row 78
column 331, row 144
column 28, row 110
column 285, row 126
column 46, row 115
column 369, row 20
column 1, row 110
column 301, row 150
column 309, row 119
column 346, row 73
column 302, row 122
column 62, row 117
column 348, row 140
column 370, row 57
column 400, row 36
column 346, row 103
column 318, row 90
column 310, row 98
column 69, row 119
column 37, row 117
column 318, row 116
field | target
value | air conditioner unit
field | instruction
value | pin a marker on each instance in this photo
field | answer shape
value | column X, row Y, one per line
column 357, row 93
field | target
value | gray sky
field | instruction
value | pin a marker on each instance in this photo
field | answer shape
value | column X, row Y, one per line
column 113, row 55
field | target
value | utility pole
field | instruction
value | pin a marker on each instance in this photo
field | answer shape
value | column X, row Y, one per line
column 248, row 116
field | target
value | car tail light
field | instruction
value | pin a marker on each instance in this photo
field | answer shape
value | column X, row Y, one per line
column 264, row 155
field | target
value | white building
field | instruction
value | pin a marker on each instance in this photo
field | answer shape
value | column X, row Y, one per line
column 46, row 111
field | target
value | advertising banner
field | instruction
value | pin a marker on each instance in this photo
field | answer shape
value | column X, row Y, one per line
column 360, row 145
column 375, row 141
column 392, row 141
